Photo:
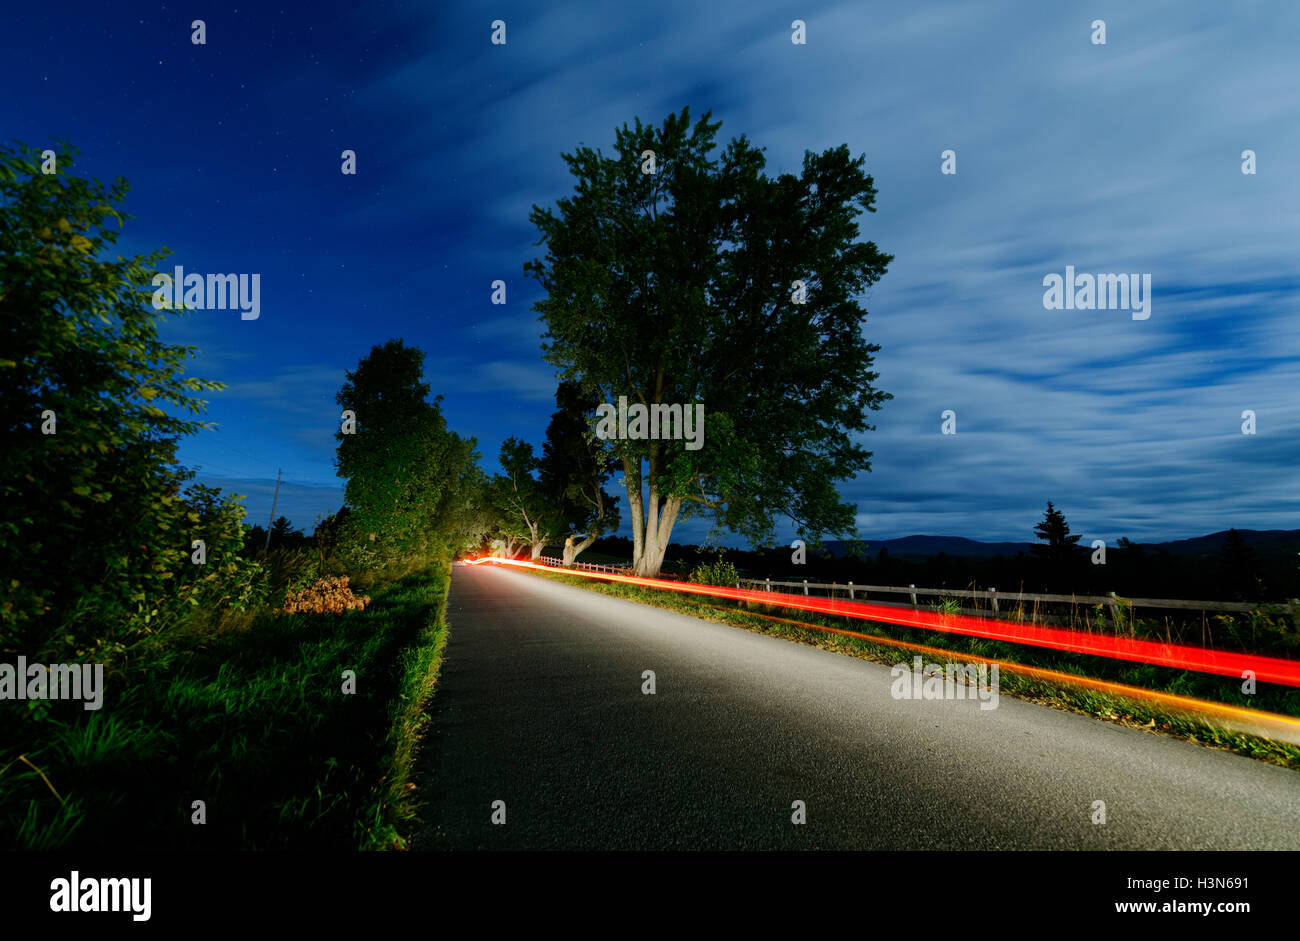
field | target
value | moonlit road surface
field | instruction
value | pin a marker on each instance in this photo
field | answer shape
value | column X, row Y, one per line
column 540, row 705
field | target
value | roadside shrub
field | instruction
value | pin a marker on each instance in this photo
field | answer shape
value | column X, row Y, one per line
column 155, row 587
column 226, row 579
column 717, row 572
column 92, row 406
column 290, row 570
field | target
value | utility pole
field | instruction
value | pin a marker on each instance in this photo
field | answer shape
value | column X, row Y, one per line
column 272, row 519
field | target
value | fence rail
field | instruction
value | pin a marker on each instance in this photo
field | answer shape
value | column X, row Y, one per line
column 994, row 597
column 588, row 566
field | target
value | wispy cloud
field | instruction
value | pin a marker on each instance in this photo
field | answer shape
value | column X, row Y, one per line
column 1123, row 157
column 300, row 503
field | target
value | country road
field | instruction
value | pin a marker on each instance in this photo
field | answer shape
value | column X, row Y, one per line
column 540, row 705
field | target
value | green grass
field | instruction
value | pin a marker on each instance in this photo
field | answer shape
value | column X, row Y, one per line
column 947, row 606
column 248, row 717
column 1130, row 711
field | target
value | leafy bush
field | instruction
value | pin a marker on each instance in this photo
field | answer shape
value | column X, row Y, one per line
column 290, row 570
column 226, row 579
column 95, row 532
column 717, row 572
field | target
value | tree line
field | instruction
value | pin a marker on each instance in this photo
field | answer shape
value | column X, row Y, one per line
column 673, row 276
column 675, row 273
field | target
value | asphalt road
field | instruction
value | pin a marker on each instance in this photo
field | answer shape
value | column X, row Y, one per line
column 540, row 705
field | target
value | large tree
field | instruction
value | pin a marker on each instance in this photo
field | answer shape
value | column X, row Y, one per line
column 707, row 281
column 1059, row 545
column 467, row 516
column 1239, row 566
column 574, row 468
column 95, row 531
column 1059, row 551
column 530, row 517
column 404, row 468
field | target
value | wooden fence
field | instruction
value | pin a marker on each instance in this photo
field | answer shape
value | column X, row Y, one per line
column 996, row 599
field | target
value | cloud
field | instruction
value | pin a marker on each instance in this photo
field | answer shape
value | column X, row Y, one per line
column 526, row 380
column 300, row 503
column 302, row 390
column 1123, row 158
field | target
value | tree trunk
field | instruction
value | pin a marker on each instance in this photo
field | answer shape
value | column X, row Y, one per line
column 537, row 548
column 652, row 521
column 573, row 549
column 658, row 530
column 632, row 478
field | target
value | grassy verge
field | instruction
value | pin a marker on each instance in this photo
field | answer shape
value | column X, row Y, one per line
column 248, row 715
column 802, row 627
column 390, row 814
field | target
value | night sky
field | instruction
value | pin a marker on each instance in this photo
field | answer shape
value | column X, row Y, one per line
column 1123, row 157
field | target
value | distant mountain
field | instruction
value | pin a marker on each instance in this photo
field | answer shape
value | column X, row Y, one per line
column 933, row 545
column 1264, row 540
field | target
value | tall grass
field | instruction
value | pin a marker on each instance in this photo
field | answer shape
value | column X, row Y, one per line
column 247, row 714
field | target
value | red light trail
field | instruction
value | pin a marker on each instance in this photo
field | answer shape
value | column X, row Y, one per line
column 1158, row 653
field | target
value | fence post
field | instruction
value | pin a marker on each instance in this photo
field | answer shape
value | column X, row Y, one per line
column 993, row 596
column 769, row 584
column 850, row 591
column 805, row 586
column 913, row 587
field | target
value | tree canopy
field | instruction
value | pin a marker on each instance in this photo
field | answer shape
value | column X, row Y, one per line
column 95, row 530
column 1055, row 531
column 404, row 468
column 529, row 516
column 707, row 281
column 574, row 469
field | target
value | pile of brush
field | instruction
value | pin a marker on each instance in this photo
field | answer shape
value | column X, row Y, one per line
column 330, row 595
